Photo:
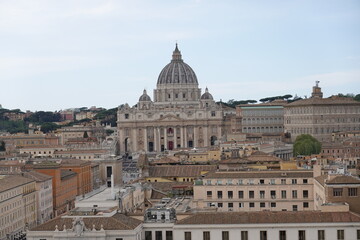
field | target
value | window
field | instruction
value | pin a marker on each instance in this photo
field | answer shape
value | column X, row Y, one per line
column 321, row 234
column 251, row 181
column 241, row 194
column 187, row 235
column 262, row 181
column 283, row 181
column 340, row 235
column 283, row 194
column 358, row 234
column 263, row 235
column 209, row 194
column 273, row 194
column 244, row 235
column 262, row 204
column 115, row 239
column 272, row 181
column 230, row 205
column 293, row 181
column 240, row 182
column 282, row 235
column 295, row 208
column 241, row 205
column 158, row 235
column 305, row 181
column 219, row 194
column 302, row 235
column 220, row 205
column 305, row 204
column 352, row 192
column 169, row 235
column 305, row 194
column 294, row 193
column 230, row 194
column 273, row 204
column 206, row 235
column 148, row 235
column 262, row 194
column 225, row 235
column 213, row 113
column 251, row 194
column 337, row 192
column 229, row 182
column 126, row 116
column 251, row 204
column 218, row 182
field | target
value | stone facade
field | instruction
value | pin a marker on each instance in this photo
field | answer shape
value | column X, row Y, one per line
column 179, row 116
column 321, row 117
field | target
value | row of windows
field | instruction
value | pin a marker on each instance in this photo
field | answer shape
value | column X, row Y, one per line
column 257, row 181
column 352, row 192
column 230, row 205
column 262, row 194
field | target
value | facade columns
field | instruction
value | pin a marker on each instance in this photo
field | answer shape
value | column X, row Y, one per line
column 182, row 137
column 206, row 140
column 175, row 139
column 146, row 140
column 165, row 139
column 196, row 136
column 185, row 137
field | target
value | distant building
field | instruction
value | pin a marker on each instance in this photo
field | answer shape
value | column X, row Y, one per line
column 18, row 205
column 321, row 117
column 255, row 191
column 179, row 117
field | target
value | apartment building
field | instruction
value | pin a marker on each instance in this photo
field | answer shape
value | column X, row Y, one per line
column 255, row 191
column 17, row 205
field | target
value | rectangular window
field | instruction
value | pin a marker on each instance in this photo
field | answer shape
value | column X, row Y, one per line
column 218, row 182
column 273, row 204
column 263, row 235
column 305, row 204
column 352, row 192
column 126, row 116
column 262, row 181
column 337, row 192
column 273, row 194
column 251, row 194
column 283, row 194
column 244, row 235
column 169, row 235
column 251, row 204
column 148, row 235
column 158, row 235
column 225, row 235
column 282, row 235
column 294, row 193
column 251, row 181
column 230, row 194
column 272, row 181
column 340, row 235
column 213, row 113
column 206, row 235
column 305, row 194
column 209, row 194
column 115, row 239
column 262, row 194
column 219, row 194
column 283, row 181
column 293, row 181
column 230, row 205
column 321, row 234
column 305, row 181
column 241, row 194
column 295, row 208
column 302, row 235
column 241, row 205
column 240, row 182
column 262, row 204
column 187, row 235
column 358, row 234
column 220, row 205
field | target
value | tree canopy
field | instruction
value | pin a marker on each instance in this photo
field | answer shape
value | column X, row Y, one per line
column 306, row 144
column 42, row 117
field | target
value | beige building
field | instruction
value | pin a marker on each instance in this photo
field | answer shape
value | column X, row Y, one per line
column 255, row 191
column 17, row 205
column 179, row 117
column 321, row 117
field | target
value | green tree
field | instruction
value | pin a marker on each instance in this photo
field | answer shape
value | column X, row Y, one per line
column 48, row 127
column 2, row 146
column 306, row 144
column 357, row 97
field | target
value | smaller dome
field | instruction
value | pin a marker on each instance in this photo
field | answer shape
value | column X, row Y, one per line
column 207, row 95
column 144, row 97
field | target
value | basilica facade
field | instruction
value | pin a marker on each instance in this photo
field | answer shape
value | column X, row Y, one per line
column 179, row 116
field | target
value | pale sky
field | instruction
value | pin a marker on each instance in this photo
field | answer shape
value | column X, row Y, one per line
column 81, row 53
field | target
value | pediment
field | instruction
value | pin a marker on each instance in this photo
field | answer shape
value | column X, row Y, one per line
column 170, row 117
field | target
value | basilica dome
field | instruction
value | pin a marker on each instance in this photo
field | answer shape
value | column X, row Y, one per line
column 177, row 72
column 207, row 95
column 144, row 97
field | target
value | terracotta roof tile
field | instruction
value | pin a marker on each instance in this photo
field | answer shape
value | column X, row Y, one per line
column 269, row 217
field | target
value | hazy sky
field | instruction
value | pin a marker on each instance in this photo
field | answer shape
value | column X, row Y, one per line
column 81, row 53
